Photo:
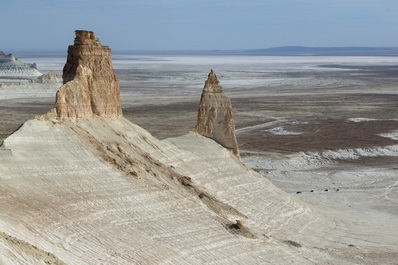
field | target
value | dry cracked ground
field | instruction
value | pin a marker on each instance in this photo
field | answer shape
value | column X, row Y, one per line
column 318, row 105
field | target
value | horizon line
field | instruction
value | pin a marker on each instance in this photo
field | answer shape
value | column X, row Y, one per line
column 217, row 49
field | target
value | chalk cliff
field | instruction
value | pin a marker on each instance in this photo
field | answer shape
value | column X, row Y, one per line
column 10, row 66
column 215, row 117
column 91, row 86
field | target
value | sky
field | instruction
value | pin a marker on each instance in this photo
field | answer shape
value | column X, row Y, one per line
column 199, row 24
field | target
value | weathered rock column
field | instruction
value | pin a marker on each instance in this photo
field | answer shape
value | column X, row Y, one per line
column 91, row 86
column 215, row 117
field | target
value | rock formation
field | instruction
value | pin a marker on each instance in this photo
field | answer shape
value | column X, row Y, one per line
column 50, row 77
column 105, row 191
column 215, row 117
column 91, row 86
column 10, row 66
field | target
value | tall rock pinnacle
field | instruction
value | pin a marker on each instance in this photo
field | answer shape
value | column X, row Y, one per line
column 91, row 86
column 212, row 85
column 215, row 117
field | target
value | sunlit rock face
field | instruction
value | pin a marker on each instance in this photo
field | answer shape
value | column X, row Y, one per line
column 50, row 77
column 215, row 117
column 91, row 87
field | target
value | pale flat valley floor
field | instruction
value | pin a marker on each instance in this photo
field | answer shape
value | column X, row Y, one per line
column 322, row 128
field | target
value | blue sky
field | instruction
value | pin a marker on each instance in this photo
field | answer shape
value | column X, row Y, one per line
column 199, row 24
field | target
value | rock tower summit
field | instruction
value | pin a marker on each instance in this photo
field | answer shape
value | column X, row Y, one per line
column 212, row 84
column 215, row 117
column 91, row 87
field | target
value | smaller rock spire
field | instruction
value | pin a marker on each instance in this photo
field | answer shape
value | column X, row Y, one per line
column 212, row 84
column 215, row 117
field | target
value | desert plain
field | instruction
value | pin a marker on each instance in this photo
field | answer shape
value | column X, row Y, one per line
column 324, row 129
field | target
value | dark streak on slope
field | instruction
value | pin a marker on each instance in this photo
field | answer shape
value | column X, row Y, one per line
column 166, row 176
column 32, row 250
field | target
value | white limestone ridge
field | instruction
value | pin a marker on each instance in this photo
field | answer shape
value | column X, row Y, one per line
column 29, row 87
column 97, row 189
column 10, row 66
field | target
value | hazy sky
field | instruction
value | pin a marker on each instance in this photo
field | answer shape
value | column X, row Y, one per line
column 199, row 24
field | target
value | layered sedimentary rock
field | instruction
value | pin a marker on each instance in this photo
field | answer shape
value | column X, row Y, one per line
column 50, row 77
column 10, row 66
column 215, row 117
column 91, row 86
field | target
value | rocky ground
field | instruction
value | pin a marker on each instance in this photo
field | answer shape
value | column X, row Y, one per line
column 315, row 101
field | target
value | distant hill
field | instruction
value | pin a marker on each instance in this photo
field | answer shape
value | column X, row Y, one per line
column 10, row 66
column 282, row 51
column 327, row 51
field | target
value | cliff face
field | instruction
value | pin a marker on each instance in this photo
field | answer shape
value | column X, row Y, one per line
column 215, row 117
column 10, row 66
column 50, row 77
column 91, row 86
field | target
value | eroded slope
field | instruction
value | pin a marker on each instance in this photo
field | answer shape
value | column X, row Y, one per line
column 105, row 191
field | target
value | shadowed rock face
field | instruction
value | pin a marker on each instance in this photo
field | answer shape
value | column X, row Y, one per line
column 91, row 86
column 215, row 117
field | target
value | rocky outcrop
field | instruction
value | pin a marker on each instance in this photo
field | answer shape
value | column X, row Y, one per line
column 91, row 86
column 215, row 117
column 50, row 77
column 5, row 58
column 10, row 66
